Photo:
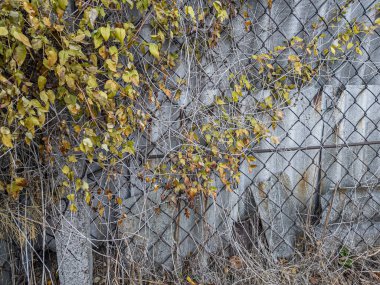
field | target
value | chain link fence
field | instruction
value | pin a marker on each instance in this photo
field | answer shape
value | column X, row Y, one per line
column 320, row 177
column 316, row 184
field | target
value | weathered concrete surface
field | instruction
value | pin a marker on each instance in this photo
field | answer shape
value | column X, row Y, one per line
column 356, row 68
column 278, row 214
column 74, row 251
column 351, row 116
column 299, row 169
column 351, row 205
column 5, row 269
column 356, row 237
column 158, row 229
column 153, row 230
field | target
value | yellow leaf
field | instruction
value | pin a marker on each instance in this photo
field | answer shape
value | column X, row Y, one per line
column 293, row 57
column 88, row 198
column 51, row 96
column 7, row 140
column 103, row 52
column 188, row 279
column 22, row 38
column 3, row 32
column 87, row 142
column 105, row 147
column 79, row 38
column 5, row 131
column 131, row 76
column 219, row 101
column 97, row 41
column 275, row 140
column 350, row 45
column 20, row 181
column 85, row 185
column 217, row 5
column 44, row 97
column 52, row 58
column 14, row 190
column 270, row 2
column 62, row 4
column 70, row 197
column 101, row 211
column 190, row 11
column 105, row 32
column 153, row 48
column 41, row 82
column 111, row 85
column 31, row 122
column 65, row 170
column 63, row 57
column 72, row 158
column 119, row 201
column 6, row 137
column 111, row 65
column 93, row 14
column 120, row 34
column 73, row 208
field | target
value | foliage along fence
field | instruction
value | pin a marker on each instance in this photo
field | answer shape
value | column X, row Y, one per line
column 251, row 125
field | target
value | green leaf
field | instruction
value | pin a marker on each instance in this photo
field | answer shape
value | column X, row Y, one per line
column 22, row 38
column 153, row 49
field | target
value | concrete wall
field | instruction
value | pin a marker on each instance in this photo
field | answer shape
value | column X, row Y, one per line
column 288, row 188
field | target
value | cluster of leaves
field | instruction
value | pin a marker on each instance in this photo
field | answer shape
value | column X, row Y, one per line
column 68, row 84
column 71, row 84
column 214, row 150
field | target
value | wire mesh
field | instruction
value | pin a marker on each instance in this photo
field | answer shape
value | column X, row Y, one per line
column 323, row 172
column 317, row 183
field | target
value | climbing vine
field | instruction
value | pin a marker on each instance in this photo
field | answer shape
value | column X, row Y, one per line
column 75, row 91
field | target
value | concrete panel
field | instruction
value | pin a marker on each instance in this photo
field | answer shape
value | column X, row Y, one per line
column 351, row 116
column 351, row 204
column 74, row 250
column 356, row 237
